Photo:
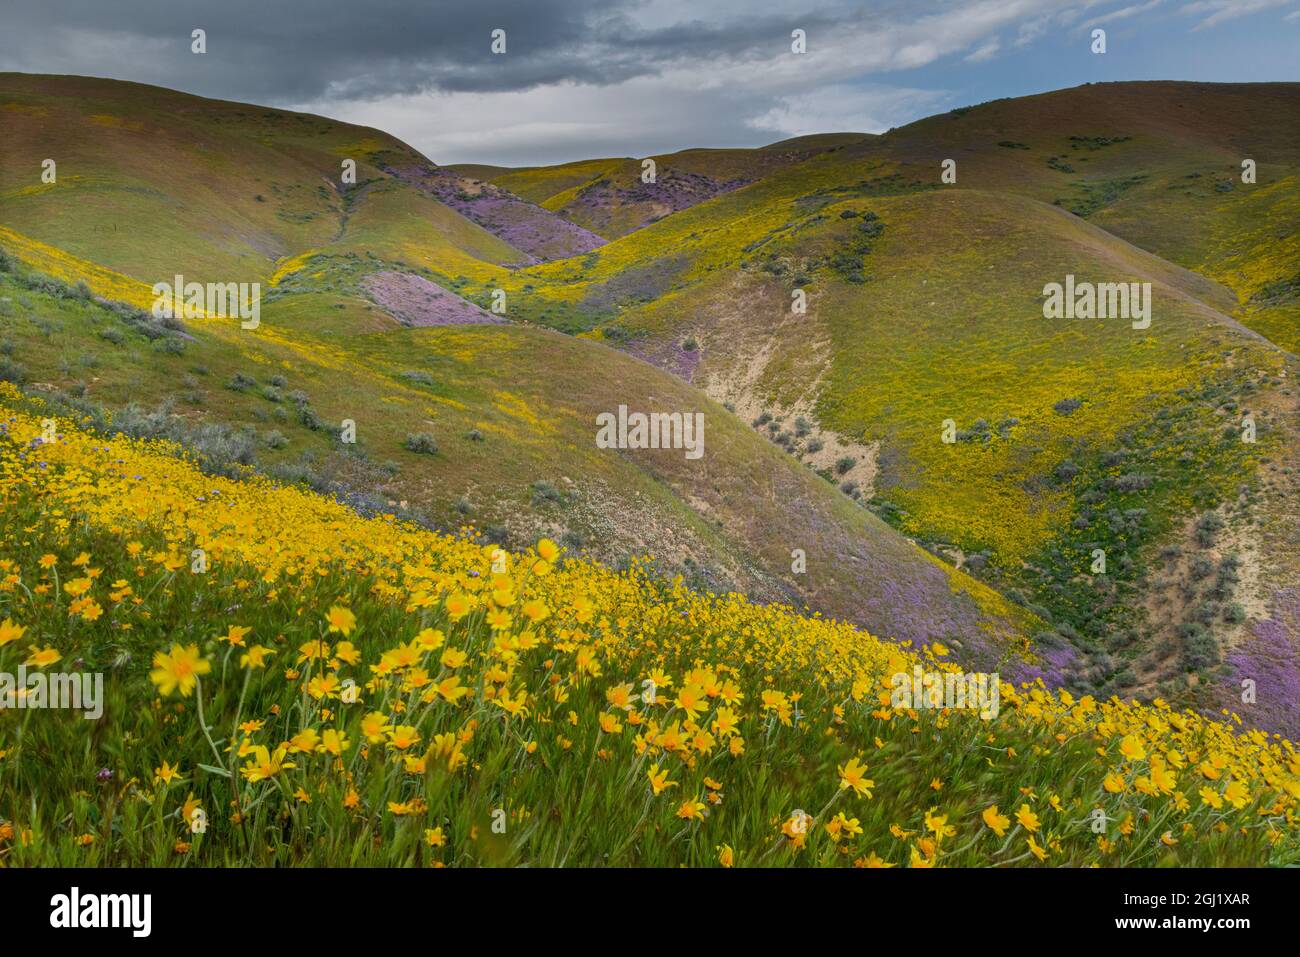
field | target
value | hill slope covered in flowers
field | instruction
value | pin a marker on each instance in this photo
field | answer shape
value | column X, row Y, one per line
column 324, row 688
column 1098, row 495
column 924, row 305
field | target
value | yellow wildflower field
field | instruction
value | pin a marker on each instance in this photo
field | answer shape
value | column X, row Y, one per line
column 289, row 682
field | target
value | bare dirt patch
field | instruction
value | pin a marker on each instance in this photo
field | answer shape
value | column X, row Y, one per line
column 743, row 383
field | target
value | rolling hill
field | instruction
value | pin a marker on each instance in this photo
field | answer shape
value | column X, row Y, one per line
column 371, row 685
column 920, row 395
column 924, row 306
column 613, row 197
column 361, row 321
column 425, row 616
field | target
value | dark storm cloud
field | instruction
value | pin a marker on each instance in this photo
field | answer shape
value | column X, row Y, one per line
column 266, row 50
column 613, row 77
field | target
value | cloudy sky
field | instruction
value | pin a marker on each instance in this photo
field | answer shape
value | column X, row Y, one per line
column 585, row 78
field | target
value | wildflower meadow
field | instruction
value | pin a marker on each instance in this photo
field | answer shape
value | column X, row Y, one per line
column 288, row 682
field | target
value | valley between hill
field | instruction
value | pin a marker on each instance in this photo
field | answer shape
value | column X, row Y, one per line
column 824, row 427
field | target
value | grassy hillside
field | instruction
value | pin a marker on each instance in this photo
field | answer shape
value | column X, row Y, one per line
column 328, row 690
column 150, row 182
column 1097, row 496
column 925, row 306
column 1159, row 164
column 511, row 411
column 612, row 198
